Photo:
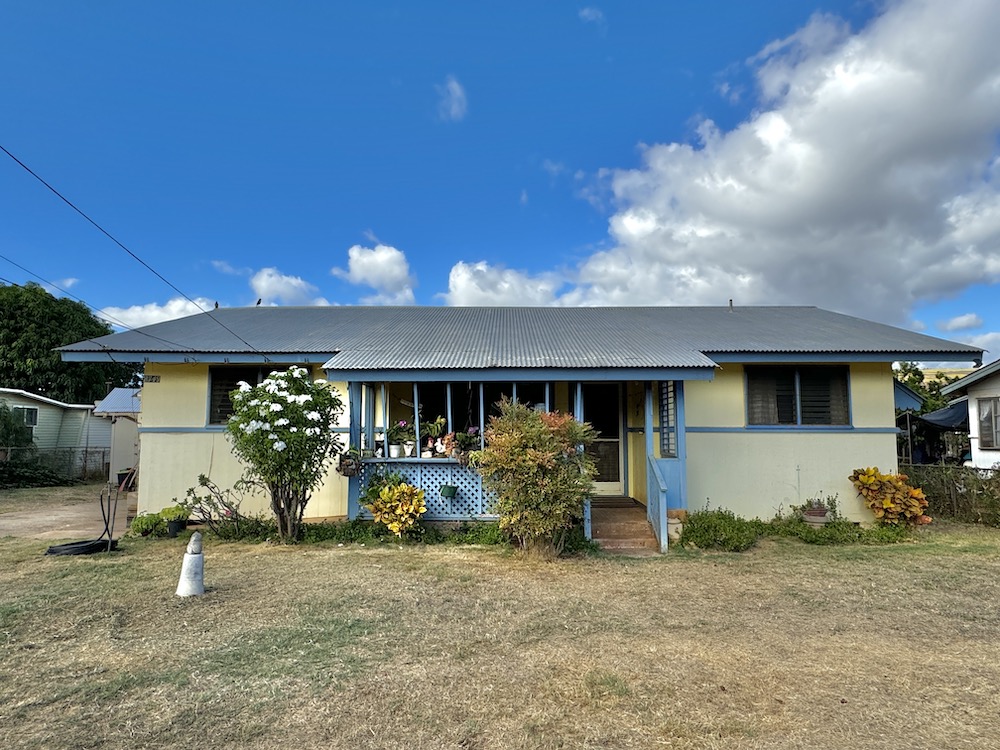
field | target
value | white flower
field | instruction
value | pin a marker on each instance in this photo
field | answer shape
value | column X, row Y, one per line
column 281, row 422
column 272, row 436
column 313, row 415
column 276, row 407
column 255, row 402
column 319, row 382
column 280, row 446
column 293, row 429
column 244, row 386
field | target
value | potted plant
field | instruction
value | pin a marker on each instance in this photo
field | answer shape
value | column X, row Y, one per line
column 395, row 434
column 349, row 462
column 817, row 512
column 465, row 443
column 176, row 517
column 147, row 523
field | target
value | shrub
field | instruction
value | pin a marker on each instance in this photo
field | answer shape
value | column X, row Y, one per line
column 720, row 529
column 283, row 431
column 890, row 497
column 399, row 507
column 29, row 471
column 220, row 510
column 535, row 466
column 148, row 524
column 346, row 532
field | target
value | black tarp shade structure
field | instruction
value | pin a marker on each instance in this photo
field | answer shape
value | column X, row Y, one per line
column 953, row 417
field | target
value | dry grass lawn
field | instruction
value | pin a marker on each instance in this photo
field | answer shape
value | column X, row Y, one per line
column 787, row 646
column 49, row 497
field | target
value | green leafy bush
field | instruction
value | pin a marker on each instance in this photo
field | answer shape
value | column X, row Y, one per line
column 535, row 466
column 148, row 524
column 719, row 529
column 345, row 532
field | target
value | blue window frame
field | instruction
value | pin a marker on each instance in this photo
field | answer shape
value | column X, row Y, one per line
column 792, row 396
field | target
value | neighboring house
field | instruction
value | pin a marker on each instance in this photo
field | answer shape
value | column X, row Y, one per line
column 122, row 406
column 71, row 430
column 751, row 409
column 982, row 387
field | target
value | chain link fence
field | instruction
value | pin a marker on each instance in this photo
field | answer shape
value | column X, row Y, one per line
column 959, row 493
column 69, row 463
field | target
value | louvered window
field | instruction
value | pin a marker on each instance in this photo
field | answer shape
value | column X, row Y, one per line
column 797, row 395
column 222, row 382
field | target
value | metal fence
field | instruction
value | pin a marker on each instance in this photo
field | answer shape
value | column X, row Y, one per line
column 960, row 493
column 72, row 463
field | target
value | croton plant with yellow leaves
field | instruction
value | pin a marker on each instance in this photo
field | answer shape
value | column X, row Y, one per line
column 890, row 497
column 399, row 507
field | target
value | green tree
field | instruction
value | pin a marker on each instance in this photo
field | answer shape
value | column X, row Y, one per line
column 32, row 324
column 910, row 375
column 535, row 465
column 282, row 429
column 14, row 433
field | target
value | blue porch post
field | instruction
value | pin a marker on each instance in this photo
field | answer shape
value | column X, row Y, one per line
column 354, row 438
column 681, row 446
column 578, row 416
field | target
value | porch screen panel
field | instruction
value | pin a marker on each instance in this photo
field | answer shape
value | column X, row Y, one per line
column 464, row 407
column 668, row 419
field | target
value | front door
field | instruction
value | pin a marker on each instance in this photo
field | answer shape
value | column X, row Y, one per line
column 602, row 408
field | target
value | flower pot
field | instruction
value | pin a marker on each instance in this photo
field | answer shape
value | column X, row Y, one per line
column 674, row 528
column 449, row 491
column 816, row 518
column 409, row 447
column 395, row 451
column 175, row 527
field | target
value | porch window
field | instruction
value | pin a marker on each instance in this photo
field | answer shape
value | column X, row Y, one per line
column 222, row 380
column 797, row 396
column 29, row 415
column 989, row 423
column 668, row 419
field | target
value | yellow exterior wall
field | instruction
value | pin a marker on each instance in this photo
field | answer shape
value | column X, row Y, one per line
column 754, row 474
column 757, row 472
column 177, row 445
column 718, row 402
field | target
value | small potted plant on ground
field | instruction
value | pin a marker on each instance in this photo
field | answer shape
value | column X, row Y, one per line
column 817, row 512
column 176, row 517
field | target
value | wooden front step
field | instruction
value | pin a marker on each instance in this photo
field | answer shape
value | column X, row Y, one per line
column 621, row 526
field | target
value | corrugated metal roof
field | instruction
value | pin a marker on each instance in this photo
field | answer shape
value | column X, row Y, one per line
column 972, row 378
column 364, row 338
column 119, row 401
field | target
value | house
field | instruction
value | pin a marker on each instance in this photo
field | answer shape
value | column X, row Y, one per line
column 122, row 407
column 747, row 408
column 71, row 431
column 982, row 389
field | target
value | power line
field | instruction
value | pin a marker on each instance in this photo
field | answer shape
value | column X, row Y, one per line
column 110, row 318
column 107, row 234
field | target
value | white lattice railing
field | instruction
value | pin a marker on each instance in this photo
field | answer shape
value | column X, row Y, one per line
column 469, row 503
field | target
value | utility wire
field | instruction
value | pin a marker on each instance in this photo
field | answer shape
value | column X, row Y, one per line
column 109, row 318
column 107, row 234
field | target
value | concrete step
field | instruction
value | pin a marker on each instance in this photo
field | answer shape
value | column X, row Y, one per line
column 621, row 527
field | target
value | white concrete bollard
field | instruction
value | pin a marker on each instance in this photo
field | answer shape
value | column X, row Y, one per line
column 192, row 582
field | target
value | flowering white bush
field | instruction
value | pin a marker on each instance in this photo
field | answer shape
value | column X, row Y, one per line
column 283, row 430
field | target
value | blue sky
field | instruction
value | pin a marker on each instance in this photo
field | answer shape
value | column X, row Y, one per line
column 838, row 153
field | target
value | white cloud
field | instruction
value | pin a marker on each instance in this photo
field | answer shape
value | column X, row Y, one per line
column 961, row 323
column 524, row 197
column 591, row 14
column 223, row 266
column 989, row 342
column 274, row 287
column 384, row 269
column 485, row 285
column 137, row 316
column 452, row 101
column 864, row 181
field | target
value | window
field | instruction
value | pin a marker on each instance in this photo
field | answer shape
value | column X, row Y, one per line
column 668, row 419
column 222, row 381
column 797, row 395
column 28, row 414
column 989, row 423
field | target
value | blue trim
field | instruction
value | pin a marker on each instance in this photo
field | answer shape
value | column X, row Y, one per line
column 840, row 358
column 526, row 374
column 354, row 438
column 682, row 451
column 832, row 429
column 240, row 358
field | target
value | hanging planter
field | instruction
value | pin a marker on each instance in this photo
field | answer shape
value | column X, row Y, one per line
column 449, row 491
column 349, row 464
